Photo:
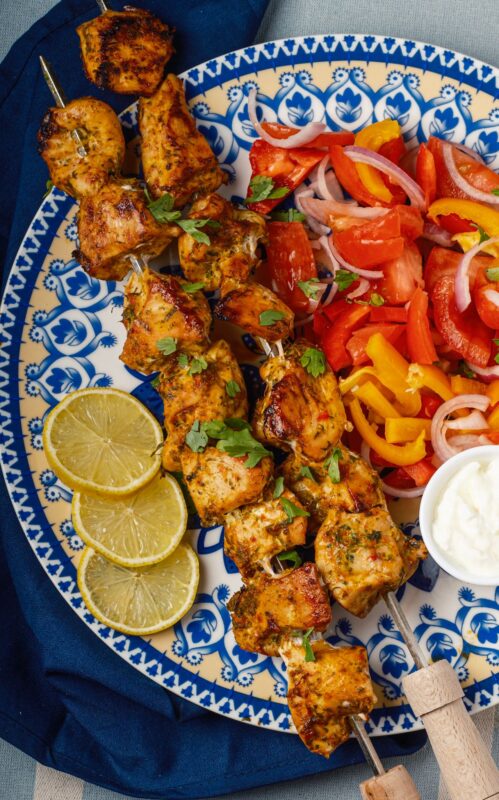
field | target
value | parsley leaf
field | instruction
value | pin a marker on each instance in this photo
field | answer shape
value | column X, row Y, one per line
column 232, row 388
column 306, row 472
column 496, row 192
column 167, row 346
column 483, row 235
column 183, row 360
column 293, row 510
column 291, row 556
column 496, row 358
column 279, row 487
column 197, row 438
column 237, row 424
column 305, row 640
column 155, row 382
column 162, row 208
column 344, row 279
column 496, row 342
column 290, row 215
column 198, row 364
column 190, row 288
column 310, row 288
column 332, row 465
column 262, row 188
column 377, row 300
column 313, row 361
column 235, row 438
column 48, row 187
column 270, row 317
column 465, row 370
column 492, row 273
column 191, row 226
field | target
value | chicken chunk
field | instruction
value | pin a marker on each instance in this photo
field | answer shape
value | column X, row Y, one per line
column 256, row 309
column 216, row 392
column 268, row 610
column 176, row 157
column 233, row 249
column 157, row 308
column 258, row 532
column 362, row 556
column 359, row 487
column 126, row 51
column 299, row 412
column 324, row 692
column 114, row 224
column 219, row 483
column 101, row 135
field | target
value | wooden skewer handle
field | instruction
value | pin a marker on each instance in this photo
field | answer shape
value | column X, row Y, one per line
column 467, row 767
column 396, row 784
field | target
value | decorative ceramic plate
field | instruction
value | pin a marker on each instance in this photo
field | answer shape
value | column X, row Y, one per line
column 63, row 332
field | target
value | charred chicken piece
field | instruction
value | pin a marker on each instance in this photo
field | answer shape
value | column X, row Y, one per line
column 299, row 412
column 359, row 487
column 256, row 309
column 219, row 483
column 216, row 392
column 362, row 556
column 233, row 249
column 102, row 138
column 258, row 532
column 126, row 51
column 324, row 692
column 268, row 610
column 176, row 157
column 114, row 224
column 157, row 308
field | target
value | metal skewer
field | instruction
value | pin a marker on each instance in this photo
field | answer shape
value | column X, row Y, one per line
column 103, row 6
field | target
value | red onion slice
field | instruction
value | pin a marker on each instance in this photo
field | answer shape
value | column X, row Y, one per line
column 462, row 280
column 298, row 139
column 473, row 193
column 301, row 194
column 466, row 441
column 361, row 155
column 469, row 152
column 360, row 290
column 370, row 274
column 475, row 421
column 434, row 233
column 323, row 209
column 326, row 247
column 441, row 446
column 484, row 372
column 492, row 296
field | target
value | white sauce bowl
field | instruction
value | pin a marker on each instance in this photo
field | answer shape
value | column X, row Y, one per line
column 430, row 500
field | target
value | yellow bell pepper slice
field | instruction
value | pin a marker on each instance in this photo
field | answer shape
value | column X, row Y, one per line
column 486, row 218
column 492, row 391
column 493, row 419
column 372, row 137
column 392, row 369
column 468, row 240
column 401, row 455
column 356, row 379
column 406, row 429
column 372, row 397
column 430, row 377
column 460, row 385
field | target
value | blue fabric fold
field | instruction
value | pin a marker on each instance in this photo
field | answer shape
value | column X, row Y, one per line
column 65, row 698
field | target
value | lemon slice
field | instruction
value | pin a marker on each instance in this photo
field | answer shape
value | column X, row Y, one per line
column 102, row 440
column 143, row 600
column 136, row 530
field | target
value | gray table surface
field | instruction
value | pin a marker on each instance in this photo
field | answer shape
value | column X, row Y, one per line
column 463, row 25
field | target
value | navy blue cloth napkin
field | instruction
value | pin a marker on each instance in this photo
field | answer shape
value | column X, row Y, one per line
column 65, row 698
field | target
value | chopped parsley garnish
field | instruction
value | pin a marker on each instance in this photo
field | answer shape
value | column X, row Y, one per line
column 305, row 640
column 332, row 465
column 293, row 510
column 262, row 188
column 292, row 556
column 344, row 279
column 198, row 364
column 234, row 438
column 278, row 488
column 310, row 288
column 465, row 370
column 183, row 360
column 492, row 274
column 313, row 361
column 232, row 388
column 483, row 235
column 197, row 438
column 496, row 357
column 377, row 300
column 155, row 382
column 192, row 226
column 306, row 472
column 162, row 211
column 167, row 346
column 190, row 288
column 496, row 192
column 270, row 317
column 48, row 187
column 290, row 215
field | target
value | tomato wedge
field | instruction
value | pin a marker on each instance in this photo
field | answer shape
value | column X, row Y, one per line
column 421, row 471
column 287, row 168
column 463, row 332
column 325, row 139
column 290, row 259
column 394, row 149
column 371, row 243
column 335, row 335
column 429, row 404
column 419, row 339
column 426, row 173
column 347, row 174
column 388, row 314
column 402, row 275
column 443, row 262
column 486, row 296
column 477, row 174
column 411, row 222
column 356, row 345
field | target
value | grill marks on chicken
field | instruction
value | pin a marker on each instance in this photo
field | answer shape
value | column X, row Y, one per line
column 202, row 396
column 156, row 308
column 101, row 135
column 299, row 412
column 256, row 533
column 267, row 610
column 323, row 693
column 244, row 305
column 115, row 223
column 362, row 556
column 176, row 157
column 126, row 51
column 233, row 249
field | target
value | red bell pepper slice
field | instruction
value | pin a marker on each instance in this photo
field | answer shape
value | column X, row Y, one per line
column 426, row 173
column 421, row 471
column 388, row 314
column 429, row 404
column 325, row 139
column 336, row 334
column 393, row 150
column 454, row 224
column 356, row 345
column 371, row 243
column 443, row 262
column 419, row 339
column 348, row 176
column 287, row 168
column 463, row 332
column 290, row 259
column 487, row 310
